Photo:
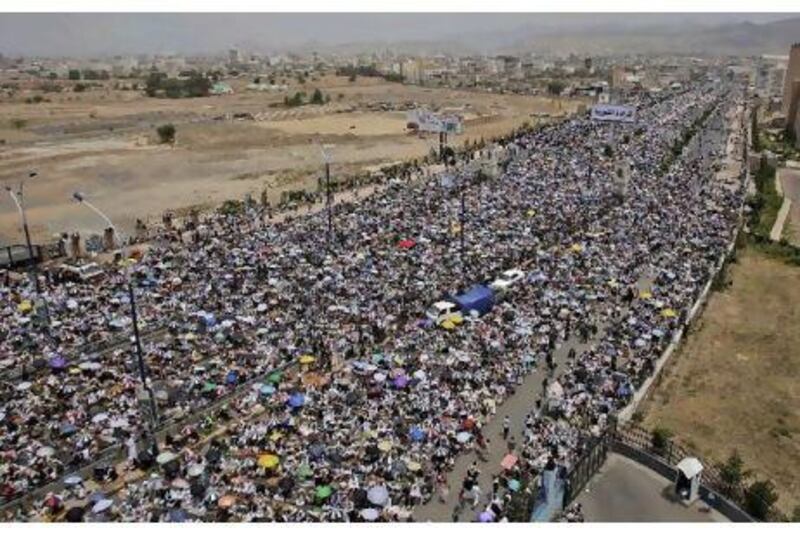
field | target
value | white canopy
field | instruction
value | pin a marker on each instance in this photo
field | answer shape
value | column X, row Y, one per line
column 690, row 467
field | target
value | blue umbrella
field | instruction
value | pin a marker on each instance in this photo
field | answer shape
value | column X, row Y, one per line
column 267, row 390
column 297, row 400
column 416, row 434
column 177, row 515
column 232, row 377
column 67, row 430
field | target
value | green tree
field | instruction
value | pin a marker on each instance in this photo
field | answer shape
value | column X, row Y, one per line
column 732, row 473
column 660, row 439
column 74, row 74
column 79, row 87
column 166, row 134
column 317, row 98
column 555, row 87
column 760, row 498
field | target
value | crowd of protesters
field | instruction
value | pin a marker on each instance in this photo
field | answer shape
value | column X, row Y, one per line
column 381, row 401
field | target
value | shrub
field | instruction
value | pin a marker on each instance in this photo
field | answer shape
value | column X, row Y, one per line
column 759, row 499
column 660, row 439
column 166, row 134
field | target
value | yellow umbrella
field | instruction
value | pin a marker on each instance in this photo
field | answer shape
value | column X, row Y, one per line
column 455, row 229
column 25, row 306
column 531, row 213
column 645, row 295
column 456, row 319
column 307, row 359
column 448, row 325
column 276, row 435
column 385, row 446
column 413, row 466
column 576, row 248
column 669, row 313
column 268, row 460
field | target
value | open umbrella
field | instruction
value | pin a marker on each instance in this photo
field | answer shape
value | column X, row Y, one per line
column 266, row 390
column 370, row 514
column 102, row 505
column 463, row 436
column 513, row 485
column 448, row 325
column 177, row 515
column 75, row 515
column 275, row 378
column 226, row 501
column 195, row 470
column 307, row 359
column 406, row 244
column 378, row 495
column 486, row 516
column 100, row 417
column 232, row 377
column 323, row 492
column 508, row 461
column 416, row 434
column 268, row 460
column 58, row 363
column 165, row 457
column 297, row 400
column 669, row 313
column 45, row 451
column 379, row 377
column 304, row 471
column 384, row 445
column 316, row 450
column 96, row 497
column 400, row 382
column 74, row 479
column 209, row 387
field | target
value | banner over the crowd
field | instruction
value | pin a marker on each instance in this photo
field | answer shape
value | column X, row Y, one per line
column 614, row 113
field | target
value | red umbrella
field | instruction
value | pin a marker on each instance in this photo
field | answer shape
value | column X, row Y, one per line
column 406, row 243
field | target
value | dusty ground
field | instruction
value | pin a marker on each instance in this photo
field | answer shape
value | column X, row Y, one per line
column 102, row 142
column 790, row 179
column 736, row 382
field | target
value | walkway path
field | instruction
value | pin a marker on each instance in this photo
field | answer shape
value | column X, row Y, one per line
column 516, row 407
column 625, row 491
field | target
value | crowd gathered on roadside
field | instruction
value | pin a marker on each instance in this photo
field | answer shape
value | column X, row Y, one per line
column 339, row 399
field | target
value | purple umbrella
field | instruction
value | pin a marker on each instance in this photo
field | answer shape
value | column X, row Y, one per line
column 486, row 516
column 58, row 363
column 400, row 381
column 297, row 400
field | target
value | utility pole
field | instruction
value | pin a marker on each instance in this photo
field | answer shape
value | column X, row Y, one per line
column 153, row 418
column 33, row 264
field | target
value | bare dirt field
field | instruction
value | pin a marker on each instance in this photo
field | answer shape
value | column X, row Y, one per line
column 103, row 143
column 736, row 382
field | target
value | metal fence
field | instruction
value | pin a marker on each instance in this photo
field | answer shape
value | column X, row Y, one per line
column 587, row 466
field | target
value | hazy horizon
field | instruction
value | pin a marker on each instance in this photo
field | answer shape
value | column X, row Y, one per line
column 97, row 34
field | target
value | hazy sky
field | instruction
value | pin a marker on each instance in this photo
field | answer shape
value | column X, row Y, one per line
column 119, row 33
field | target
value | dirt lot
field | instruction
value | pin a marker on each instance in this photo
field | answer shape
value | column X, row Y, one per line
column 103, row 143
column 736, row 382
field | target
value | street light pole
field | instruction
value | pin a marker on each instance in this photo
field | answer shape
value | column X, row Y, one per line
column 19, row 199
column 153, row 418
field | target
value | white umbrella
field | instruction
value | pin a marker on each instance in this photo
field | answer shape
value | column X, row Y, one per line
column 378, row 495
column 25, row 385
column 463, row 436
column 101, row 506
column 100, row 417
column 379, row 378
column 195, row 470
column 45, row 451
column 370, row 515
column 73, row 480
column 165, row 457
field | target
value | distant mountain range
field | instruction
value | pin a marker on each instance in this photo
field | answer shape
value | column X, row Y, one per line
column 609, row 36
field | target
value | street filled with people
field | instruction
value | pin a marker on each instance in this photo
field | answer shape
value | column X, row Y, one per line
column 294, row 370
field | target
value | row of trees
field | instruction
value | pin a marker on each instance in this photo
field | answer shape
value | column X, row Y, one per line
column 158, row 84
column 299, row 99
column 368, row 71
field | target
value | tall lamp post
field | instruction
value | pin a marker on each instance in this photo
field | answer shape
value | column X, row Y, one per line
column 153, row 418
column 19, row 200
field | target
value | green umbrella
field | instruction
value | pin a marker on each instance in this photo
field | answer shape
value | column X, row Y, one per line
column 208, row 386
column 275, row 377
column 304, row 471
column 324, row 491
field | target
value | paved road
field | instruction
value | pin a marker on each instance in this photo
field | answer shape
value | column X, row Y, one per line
column 517, row 408
column 625, row 491
column 790, row 182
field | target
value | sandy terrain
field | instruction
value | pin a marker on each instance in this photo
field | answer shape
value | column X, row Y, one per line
column 103, row 143
column 734, row 385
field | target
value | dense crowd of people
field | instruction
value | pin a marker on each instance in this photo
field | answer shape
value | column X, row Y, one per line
column 395, row 399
